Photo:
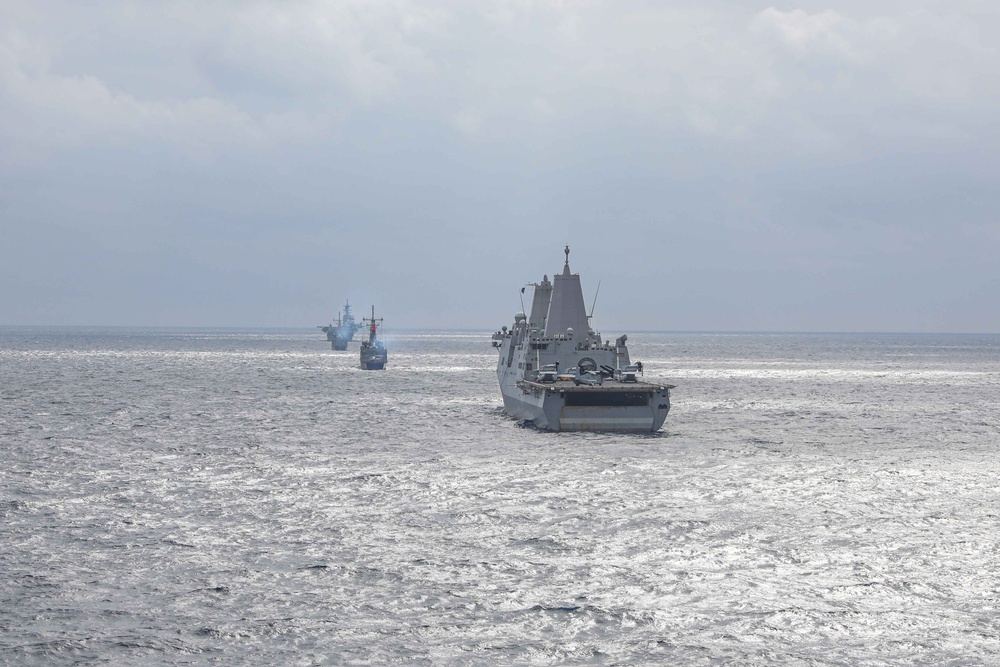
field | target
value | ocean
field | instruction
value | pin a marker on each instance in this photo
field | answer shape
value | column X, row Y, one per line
column 251, row 497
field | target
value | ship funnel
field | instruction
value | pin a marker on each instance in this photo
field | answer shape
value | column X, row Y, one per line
column 566, row 308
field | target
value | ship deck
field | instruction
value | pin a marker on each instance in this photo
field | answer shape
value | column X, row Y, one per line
column 608, row 386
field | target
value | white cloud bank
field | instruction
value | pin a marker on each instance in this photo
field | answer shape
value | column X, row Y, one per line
column 724, row 126
column 268, row 72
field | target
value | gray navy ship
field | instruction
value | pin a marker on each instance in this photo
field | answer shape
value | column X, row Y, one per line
column 341, row 333
column 373, row 353
column 557, row 372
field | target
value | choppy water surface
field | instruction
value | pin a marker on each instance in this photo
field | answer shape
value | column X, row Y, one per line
column 249, row 497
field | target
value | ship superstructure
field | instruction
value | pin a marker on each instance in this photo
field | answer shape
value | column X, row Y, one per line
column 341, row 333
column 557, row 372
column 373, row 353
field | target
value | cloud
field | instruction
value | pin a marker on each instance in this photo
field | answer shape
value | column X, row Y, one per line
column 259, row 74
column 47, row 111
column 826, row 32
column 354, row 51
column 249, row 75
column 717, row 133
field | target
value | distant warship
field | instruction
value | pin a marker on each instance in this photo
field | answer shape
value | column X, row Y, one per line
column 341, row 333
column 555, row 371
column 373, row 353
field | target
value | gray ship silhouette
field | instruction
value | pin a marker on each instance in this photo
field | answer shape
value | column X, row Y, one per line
column 341, row 333
column 373, row 353
column 557, row 372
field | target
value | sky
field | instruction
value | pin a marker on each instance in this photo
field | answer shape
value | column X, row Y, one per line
column 713, row 165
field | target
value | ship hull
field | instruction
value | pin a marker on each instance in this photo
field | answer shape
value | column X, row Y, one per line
column 568, row 408
column 339, row 337
column 373, row 358
column 338, row 343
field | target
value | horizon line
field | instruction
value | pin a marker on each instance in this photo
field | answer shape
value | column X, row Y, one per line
column 486, row 331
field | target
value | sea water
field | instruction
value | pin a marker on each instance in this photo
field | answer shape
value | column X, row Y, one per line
column 172, row 496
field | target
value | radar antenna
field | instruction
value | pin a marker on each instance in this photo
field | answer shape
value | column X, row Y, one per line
column 594, row 305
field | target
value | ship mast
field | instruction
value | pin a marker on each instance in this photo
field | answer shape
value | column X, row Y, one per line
column 374, row 322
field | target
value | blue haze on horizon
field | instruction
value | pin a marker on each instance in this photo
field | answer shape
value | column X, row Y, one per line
column 714, row 165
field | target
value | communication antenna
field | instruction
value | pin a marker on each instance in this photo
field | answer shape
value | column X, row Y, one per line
column 594, row 305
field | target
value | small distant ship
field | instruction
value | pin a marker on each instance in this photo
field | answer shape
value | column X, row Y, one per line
column 373, row 352
column 341, row 333
column 557, row 372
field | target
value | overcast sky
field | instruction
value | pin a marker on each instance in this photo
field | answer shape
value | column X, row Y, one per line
column 716, row 165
